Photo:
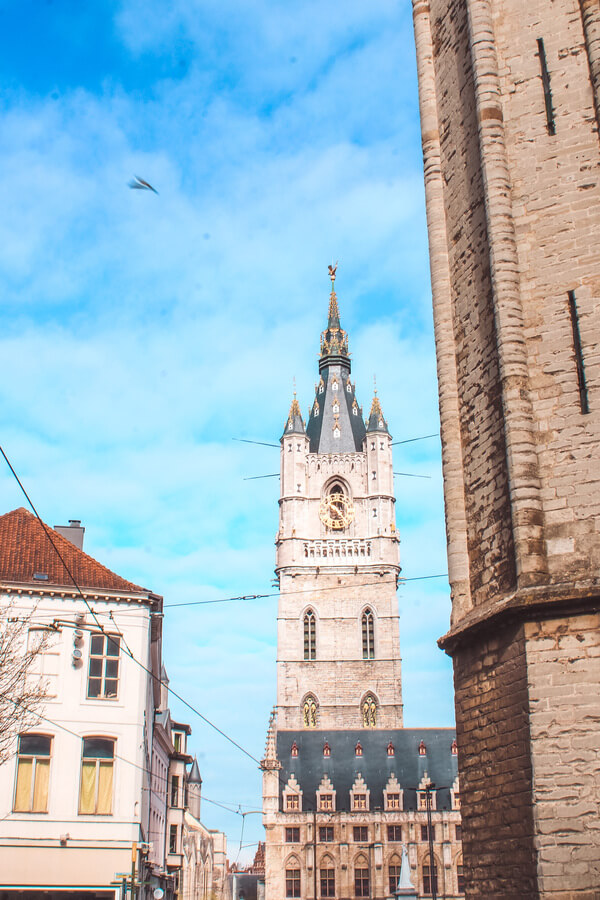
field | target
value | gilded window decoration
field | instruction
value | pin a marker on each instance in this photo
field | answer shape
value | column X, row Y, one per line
column 310, row 635
column 369, row 712
column 368, row 635
column 309, row 713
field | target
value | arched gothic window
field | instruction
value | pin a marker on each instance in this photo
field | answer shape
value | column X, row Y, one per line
column 309, row 712
column 369, row 712
column 368, row 635
column 310, row 635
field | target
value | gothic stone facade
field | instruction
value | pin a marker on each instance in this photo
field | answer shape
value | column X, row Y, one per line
column 510, row 98
column 344, row 783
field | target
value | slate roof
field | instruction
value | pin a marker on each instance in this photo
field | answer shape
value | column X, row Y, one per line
column 25, row 549
column 374, row 765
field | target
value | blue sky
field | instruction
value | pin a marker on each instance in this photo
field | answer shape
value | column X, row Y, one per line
column 142, row 333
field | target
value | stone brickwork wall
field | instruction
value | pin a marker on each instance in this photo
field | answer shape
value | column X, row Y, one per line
column 495, row 768
column 563, row 670
column 512, row 178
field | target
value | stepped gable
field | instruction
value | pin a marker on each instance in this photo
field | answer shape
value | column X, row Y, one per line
column 375, row 765
column 25, row 550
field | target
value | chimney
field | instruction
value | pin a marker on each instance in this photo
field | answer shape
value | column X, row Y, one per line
column 73, row 532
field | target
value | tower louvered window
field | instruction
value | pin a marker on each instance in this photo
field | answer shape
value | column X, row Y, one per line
column 368, row 635
column 310, row 635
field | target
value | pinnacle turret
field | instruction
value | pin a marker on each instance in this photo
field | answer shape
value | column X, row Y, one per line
column 270, row 760
column 376, row 422
column 295, row 422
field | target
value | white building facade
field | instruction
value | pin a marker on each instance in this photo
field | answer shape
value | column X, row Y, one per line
column 75, row 795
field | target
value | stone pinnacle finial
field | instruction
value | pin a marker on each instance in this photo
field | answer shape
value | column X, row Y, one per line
column 376, row 422
column 270, row 760
column 295, row 422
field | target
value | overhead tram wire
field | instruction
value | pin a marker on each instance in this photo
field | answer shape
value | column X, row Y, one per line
column 423, row 437
column 227, row 806
column 134, row 659
column 342, row 587
column 101, row 628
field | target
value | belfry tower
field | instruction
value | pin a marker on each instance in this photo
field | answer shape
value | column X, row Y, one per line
column 340, row 773
column 337, row 557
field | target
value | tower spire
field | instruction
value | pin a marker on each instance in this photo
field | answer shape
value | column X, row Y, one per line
column 334, row 340
column 376, row 422
column 295, row 422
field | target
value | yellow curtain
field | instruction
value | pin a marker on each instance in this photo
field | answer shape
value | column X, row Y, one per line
column 105, row 786
column 23, row 794
column 40, row 787
column 87, row 797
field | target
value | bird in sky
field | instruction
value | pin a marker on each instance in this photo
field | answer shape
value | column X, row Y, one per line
column 139, row 184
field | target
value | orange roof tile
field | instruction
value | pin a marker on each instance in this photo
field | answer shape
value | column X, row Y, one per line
column 25, row 549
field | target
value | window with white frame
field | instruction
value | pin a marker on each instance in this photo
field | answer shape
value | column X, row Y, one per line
column 33, row 773
column 96, row 789
column 103, row 672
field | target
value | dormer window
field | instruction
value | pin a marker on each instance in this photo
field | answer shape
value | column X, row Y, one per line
column 316, row 409
column 358, row 750
column 336, row 408
column 294, row 749
column 326, row 749
column 334, row 385
column 390, row 749
column 349, row 386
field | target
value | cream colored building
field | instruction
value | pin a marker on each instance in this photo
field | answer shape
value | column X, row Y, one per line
column 74, row 797
column 344, row 784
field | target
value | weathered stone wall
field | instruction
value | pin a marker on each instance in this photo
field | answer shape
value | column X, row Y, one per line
column 493, row 737
column 513, row 216
column 563, row 672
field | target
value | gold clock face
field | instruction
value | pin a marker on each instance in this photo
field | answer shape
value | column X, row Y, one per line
column 336, row 511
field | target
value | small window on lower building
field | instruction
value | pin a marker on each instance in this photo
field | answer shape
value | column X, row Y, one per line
column 427, row 888
column 425, row 833
column 361, row 882
column 292, row 835
column 327, row 883
column 394, row 878
column 393, row 801
column 394, row 832
column 292, row 882
column 292, row 802
column 326, row 834
column 326, row 801
column 460, row 879
column 458, row 832
column 33, row 773
column 361, row 833
column 173, row 839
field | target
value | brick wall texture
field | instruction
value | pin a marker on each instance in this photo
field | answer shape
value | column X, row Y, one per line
column 512, row 180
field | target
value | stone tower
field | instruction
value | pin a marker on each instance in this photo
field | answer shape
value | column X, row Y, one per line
column 343, row 781
column 337, row 557
column 510, row 99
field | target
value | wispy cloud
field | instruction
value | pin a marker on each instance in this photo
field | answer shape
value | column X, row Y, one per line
column 142, row 333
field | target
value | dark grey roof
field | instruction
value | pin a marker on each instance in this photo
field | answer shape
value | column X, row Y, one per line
column 194, row 774
column 374, row 765
column 319, row 427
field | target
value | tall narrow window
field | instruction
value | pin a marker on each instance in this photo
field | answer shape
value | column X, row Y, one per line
column 175, row 790
column 292, row 882
column 583, row 394
column 427, row 879
column 103, row 674
column 327, row 882
column 460, row 878
column 95, row 796
column 546, row 85
column 173, row 839
column 369, row 712
column 33, row 773
column 361, row 882
column 394, row 878
column 368, row 635
column 309, row 713
column 310, row 635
